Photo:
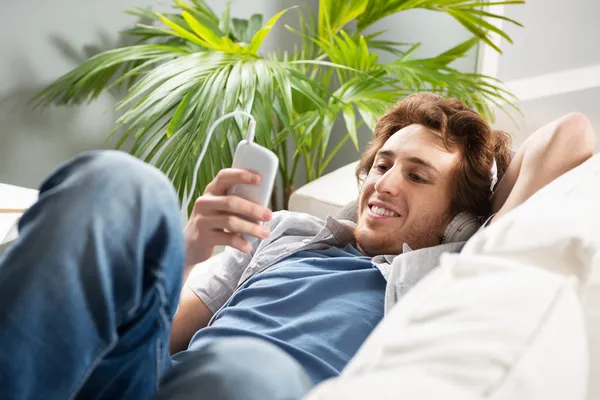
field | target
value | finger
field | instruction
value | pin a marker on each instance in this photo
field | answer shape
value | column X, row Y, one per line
column 228, row 177
column 235, row 224
column 231, row 240
column 210, row 205
column 242, row 207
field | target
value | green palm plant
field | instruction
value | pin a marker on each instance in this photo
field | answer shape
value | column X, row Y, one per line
column 190, row 66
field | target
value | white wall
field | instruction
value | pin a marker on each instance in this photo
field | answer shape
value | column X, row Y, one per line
column 32, row 143
column 554, row 64
column 558, row 35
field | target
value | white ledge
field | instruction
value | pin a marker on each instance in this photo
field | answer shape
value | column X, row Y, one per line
column 555, row 83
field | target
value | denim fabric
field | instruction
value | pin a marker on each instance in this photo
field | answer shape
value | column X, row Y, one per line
column 240, row 368
column 88, row 290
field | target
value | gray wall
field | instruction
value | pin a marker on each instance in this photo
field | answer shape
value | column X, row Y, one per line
column 546, row 62
column 43, row 39
column 558, row 35
column 37, row 34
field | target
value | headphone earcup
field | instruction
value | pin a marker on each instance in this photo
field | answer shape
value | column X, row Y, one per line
column 461, row 228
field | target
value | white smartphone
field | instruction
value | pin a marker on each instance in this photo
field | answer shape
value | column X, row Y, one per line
column 254, row 157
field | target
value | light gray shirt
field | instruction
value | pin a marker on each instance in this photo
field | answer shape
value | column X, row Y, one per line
column 217, row 279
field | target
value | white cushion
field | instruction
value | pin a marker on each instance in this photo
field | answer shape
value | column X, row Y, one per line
column 503, row 319
column 328, row 194
column 475, row 328
column 558, row 229
column 13, row 201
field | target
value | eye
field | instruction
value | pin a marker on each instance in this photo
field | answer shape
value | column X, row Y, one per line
column 381, row 167
column 417, row 178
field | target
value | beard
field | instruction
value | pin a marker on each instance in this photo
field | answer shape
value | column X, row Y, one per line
column 374, row 239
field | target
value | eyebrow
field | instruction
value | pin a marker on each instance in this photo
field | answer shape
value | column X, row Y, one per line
column 412, row 160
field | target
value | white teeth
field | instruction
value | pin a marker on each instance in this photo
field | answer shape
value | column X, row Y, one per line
column 383, row 212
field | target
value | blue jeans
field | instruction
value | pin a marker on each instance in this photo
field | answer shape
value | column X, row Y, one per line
column 88, row 292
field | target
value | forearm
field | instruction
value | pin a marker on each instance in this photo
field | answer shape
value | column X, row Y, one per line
column 551, row 151
column 192, row 315
column 214, row 279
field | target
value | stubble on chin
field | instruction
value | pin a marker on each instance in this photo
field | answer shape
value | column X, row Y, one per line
column 374, row 243
column 427, row 233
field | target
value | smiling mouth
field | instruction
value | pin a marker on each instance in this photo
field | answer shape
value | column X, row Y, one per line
column 381, row 212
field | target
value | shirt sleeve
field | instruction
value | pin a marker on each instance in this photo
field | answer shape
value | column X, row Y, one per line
column 215, row 279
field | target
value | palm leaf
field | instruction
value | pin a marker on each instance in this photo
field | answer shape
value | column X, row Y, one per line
column 350, row 119
column 260, row 36
column 179, row 31
column 335, row 14
column 225, row 21
column 176, row 92
column 190, row 66
column 466, row 12
column 207, row 35
column 87, row 81
column 245, row 29
column 389, row 46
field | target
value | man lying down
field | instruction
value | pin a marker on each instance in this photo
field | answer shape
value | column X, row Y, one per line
column 89, row 289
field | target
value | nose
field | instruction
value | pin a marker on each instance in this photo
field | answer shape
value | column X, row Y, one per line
column 390, row 182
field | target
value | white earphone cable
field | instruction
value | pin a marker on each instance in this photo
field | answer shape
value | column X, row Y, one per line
column 249, row 138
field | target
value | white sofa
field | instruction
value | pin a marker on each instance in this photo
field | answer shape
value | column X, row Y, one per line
column 549, row 347
column 13, row 200
column 328, row 194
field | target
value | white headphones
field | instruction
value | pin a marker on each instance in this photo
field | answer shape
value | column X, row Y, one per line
column 464, row 225
column 461, row 228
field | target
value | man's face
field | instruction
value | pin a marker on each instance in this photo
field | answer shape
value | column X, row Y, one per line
column 406, row 196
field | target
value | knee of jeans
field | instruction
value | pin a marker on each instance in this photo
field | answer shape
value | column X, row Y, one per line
column 120, row 168
column 241, row 368
column 113, row 174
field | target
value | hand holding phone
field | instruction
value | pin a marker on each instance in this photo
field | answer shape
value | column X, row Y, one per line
column 219, row 219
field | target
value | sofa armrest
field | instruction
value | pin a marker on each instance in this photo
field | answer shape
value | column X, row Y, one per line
column 328, row 194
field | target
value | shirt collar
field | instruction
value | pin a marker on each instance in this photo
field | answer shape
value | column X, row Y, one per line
column 342, row 229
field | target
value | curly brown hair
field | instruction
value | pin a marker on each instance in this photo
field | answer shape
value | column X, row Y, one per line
column 461, row 129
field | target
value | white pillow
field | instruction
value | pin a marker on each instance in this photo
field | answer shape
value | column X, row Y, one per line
column 13, row 198
column 10, row 237
column 478, row 327
column 9, row 227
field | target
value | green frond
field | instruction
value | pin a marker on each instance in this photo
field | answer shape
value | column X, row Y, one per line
column 190, row 66
column 467, row 12
column 335, row 14
column 245, row 29
column 176, row 93
column 260, row 36
column 86, row 82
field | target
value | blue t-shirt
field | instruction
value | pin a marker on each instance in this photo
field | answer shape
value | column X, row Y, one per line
column 318, row 306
